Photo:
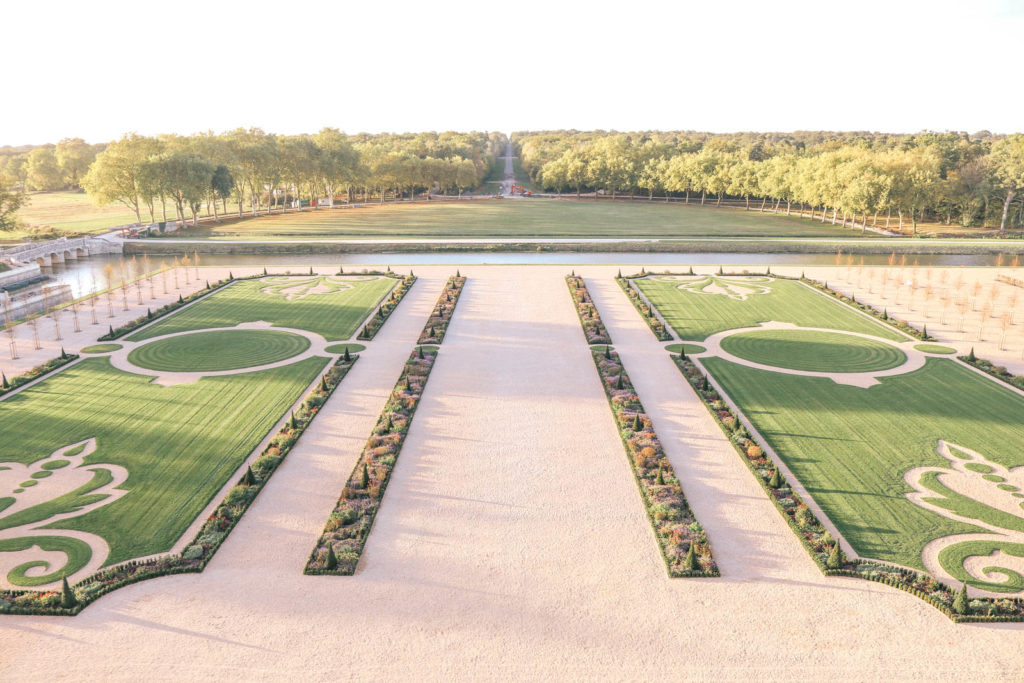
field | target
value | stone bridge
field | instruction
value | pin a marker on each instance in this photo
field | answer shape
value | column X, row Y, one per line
column 59, row 250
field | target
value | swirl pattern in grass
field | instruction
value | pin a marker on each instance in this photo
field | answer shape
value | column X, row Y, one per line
column 218, row 350
column 811, row 351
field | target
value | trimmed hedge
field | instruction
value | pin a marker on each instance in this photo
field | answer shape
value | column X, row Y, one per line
column 437, row 325
column 997, row 371
column 675, row 526
column 341, row 544
column 37, row 372
column 211, row 535
column 646, row 312
column 593, row 328
column 377, row 320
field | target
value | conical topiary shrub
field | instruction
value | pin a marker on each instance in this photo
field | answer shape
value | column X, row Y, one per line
column 971, row 357
column 660, row 479
column 835, row 558
column 180, row 300
column 323, row 383
column 63, row 354
column 248, row 479
column 419, row 352
column 366, row 477
column 776, row 479
column 608, row 352
column 637, row 423
column 331, row 563
column 5, row 384
column 348, row 357
column 67, row 596
column 960, row 605
column 705, row 385
column 690, row 563
column 924, row 333
column 293, row 423
column 618, row 382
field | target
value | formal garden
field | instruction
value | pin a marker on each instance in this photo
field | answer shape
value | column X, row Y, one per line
column 907, row 454
column 100, row 481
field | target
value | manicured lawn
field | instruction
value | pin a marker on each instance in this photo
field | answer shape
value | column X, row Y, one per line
column 179, row 444
column 288, row 302
column 813, row 351
column 340, row 348
column 850, row 447
column 935, row 348
column 218, row 350
column 695, row 312
column 101, row 348
column 514, row 218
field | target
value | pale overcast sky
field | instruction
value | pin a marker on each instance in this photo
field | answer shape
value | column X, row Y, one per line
column 98, row 69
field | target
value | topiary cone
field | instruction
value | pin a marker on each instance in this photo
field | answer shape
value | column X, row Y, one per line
column 960, row 605
column 347, row 356
column 607, row 352
column 332, row 560
column 67, row 596
column 618, row 382
column 637, row 423
column 248, row 479
column 366, row 477
column 776, row 479
column 690, row 563
column 323, row 383
column 835, row 558
column 5, row 384
column 971, row 357
column 660, row 479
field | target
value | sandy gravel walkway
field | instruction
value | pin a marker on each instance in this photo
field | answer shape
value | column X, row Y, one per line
column 511, row 542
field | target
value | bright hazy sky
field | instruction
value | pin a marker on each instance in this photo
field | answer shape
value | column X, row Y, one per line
column 100, row 68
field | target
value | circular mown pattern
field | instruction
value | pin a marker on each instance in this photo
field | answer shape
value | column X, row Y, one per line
column 218, row 350
column 811, row 351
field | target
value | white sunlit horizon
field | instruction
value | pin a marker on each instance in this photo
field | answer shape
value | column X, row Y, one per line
column 109, row 68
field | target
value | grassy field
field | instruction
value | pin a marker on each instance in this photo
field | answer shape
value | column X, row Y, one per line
column 218, row 350
column 850, row 447
column 71, row 212
column 515, row 218
column 695, row 313
column 179, row 444
column 813, row 351
column 335, row 315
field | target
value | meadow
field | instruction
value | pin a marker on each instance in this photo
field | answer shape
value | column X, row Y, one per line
column 297, row 302
column 696, row 314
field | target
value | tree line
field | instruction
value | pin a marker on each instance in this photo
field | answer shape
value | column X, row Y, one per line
column 972, row 180
column 250, row 169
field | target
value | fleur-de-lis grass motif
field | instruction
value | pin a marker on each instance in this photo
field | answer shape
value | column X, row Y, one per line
column 34, row 497
column 977, row 491
column 734, row 288
column 299, row 288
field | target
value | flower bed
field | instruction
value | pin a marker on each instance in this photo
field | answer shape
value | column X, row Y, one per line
column 384, row 311
column 437, row 325
column 817, row 540
column 211, row 535
column 646, row 312
column 593, row 328
column 8, row 384
column 683, row 541
column 341, row 545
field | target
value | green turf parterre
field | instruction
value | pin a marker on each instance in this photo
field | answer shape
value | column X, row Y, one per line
column 814, row 351
column 340, row 348
column 935, row 348
column 695, row 313
column 218, row 350
column 179, row 444
column 102, row 348
column 298, row 302
column 687, row 348
column 850, row 447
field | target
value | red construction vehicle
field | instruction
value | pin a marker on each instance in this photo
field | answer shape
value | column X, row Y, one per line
column 518, row 189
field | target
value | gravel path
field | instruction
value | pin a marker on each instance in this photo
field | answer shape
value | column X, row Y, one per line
column 512, row 541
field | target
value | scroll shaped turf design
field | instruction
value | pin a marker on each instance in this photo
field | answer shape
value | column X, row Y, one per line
column 734, row 288
column 814, row 351
column 218, row 350
column 292, row 289
column 982, row 493
column 56, row 488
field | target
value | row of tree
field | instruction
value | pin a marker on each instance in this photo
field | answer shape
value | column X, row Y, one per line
column 258, row 170
column 950, row 177
column 48, row 167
